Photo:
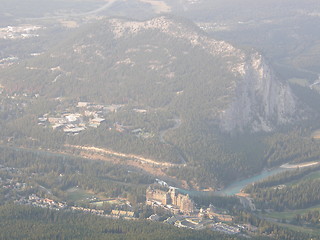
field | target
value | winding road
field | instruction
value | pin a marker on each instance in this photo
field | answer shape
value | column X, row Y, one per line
column 104, row 7
column 92, row 12
column 164, row 132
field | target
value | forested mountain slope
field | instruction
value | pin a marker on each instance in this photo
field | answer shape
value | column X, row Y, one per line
column 163, row 62
column 172, row 70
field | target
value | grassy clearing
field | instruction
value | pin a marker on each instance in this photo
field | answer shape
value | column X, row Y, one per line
column 304, row 229
column 310, row 176
column 299, row 81
column 114, row 201
column 98, row 204
column 289, row 215
column 78, row 195
column 316, row 134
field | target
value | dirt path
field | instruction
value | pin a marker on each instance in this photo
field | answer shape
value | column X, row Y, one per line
column 164, row 132
column 138, row 158
column 95, row 11
column 155, row 170
column 300, row 165
column 158, row 6
column 136, row 163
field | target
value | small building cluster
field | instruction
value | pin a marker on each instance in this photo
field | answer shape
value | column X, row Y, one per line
column 192, row 223
column 7, row 61
column 37, row 201
column 170, row 199
column 212, row 213
column 87, row 210
column 222, row 227
column 121, row 213
column 185, row 213
column 87, row 115
column 19, row 32
column 9, row 182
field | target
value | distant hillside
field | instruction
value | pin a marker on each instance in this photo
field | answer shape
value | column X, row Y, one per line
column 175, row 71
column 157, row 63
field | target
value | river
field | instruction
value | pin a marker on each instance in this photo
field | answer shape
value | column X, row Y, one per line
column 229, row 190
column 236, row 187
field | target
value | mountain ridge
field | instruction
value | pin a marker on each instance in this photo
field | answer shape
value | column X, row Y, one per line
column 250, row 73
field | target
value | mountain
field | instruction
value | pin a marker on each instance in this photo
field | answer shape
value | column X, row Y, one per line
column 196, row 92
column 260, row 100
column 151, row 62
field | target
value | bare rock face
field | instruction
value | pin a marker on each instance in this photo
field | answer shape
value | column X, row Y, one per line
column 261, row 101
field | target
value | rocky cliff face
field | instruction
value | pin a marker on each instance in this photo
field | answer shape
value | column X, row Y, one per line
column 261, row 101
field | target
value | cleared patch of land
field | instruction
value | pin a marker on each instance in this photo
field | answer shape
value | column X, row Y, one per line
column 289, row 215
column 300, row 165
column 314, row 175
column 112, row 201
column 78, row 195
column 148, row 166
column 316, row 134
column 158, row 6
column 303, row 229
column 141, row 159
column 299, row 81
column 69, row 24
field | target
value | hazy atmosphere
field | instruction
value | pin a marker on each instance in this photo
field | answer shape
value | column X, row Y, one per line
column 158, row 119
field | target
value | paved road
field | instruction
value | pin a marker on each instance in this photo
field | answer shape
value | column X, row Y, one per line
column 163, row 133
column 104, row 7
column 95, row 11
column 176, row 126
